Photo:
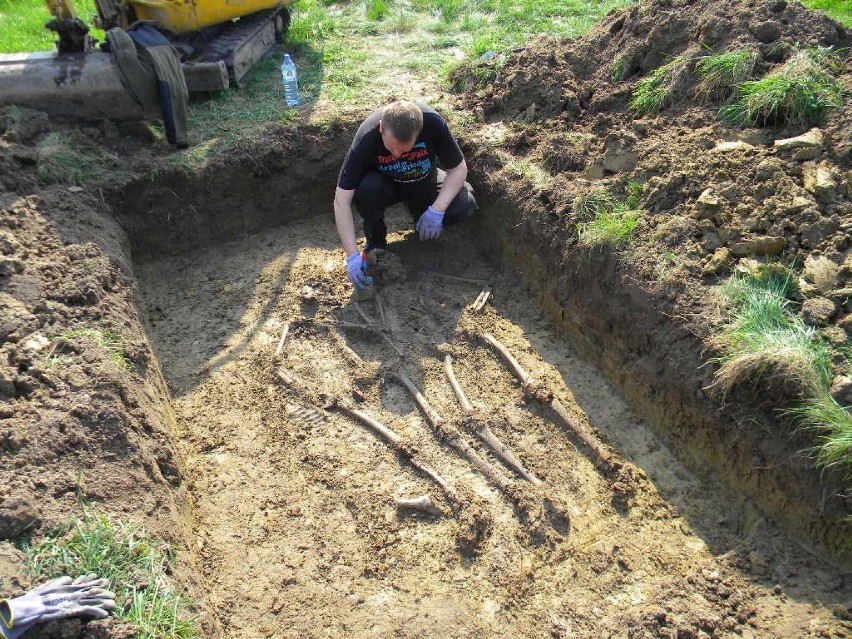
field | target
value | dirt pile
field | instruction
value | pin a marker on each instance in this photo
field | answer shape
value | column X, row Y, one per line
column 713, row 193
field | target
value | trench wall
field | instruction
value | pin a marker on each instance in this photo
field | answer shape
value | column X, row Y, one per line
column 656, row 364
column 290, row 174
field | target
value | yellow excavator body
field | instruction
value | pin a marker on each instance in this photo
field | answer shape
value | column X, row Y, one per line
column 216, row 42
column 184, row 16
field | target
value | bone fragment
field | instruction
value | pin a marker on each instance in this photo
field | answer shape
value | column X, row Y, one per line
column 381, row 332
column 352, row 356
column 281, row 341
column 381, row 310
column 480, row 301
column 361, row 312
column 423, row 504
column 355, row 325
column 456, row 278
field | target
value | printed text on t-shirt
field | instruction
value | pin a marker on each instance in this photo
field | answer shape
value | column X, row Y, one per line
column 408, row 167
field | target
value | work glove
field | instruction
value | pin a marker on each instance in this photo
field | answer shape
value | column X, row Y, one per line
column 86, row 596
column 430, row 224
column 356, row 267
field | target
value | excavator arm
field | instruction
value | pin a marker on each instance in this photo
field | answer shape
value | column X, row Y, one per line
column 73, row 32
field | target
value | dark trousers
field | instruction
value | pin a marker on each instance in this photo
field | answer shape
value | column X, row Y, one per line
column 376, row 192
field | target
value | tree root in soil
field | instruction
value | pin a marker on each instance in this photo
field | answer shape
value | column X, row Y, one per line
column 542, row 514
column 474, row 520
column 622, row 478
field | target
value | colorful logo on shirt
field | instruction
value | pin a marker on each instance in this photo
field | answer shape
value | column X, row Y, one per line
column 408, row 167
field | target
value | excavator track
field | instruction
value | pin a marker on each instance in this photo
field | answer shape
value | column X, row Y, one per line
column 240, row 44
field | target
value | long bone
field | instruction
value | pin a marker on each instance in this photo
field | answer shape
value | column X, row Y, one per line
column 482, row 430
column 447, row 432
column 474, row 520
column 394, row 439
column 532, row 505
column 600, row 456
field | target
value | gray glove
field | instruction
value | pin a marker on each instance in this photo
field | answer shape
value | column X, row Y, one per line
column 86, row 596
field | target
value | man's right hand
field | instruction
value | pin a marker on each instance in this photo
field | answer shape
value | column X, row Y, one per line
column 356, row 267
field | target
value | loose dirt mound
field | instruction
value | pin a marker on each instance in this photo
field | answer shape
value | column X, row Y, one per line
column 572, row 83
column 570, row 116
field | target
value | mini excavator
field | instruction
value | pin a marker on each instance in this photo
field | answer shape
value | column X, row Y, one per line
column 217, row 42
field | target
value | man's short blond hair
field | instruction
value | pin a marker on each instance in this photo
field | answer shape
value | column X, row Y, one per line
column 403, row 119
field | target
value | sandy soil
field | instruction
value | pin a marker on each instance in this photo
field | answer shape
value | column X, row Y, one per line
column 295, row 517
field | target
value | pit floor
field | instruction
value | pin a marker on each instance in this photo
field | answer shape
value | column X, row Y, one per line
column 293, row 508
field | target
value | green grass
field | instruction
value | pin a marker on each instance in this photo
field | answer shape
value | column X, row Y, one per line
column 800, row 92
column 71, row 160
column 654, row 93
column 618, row 70
column 535, row 174
column 612, row 227
column 22, row 25
column 593, row 204
column 831, row 424
column 764, row 338
column 376, row 9
column 840, row 10
column 720, row 73
column 110, row 341
column 134, row 565
column 605, row 219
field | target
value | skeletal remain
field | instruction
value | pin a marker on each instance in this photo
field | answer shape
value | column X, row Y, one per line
column 281, row 341
column 381, row 309
column 600, row 456
column 381, row 332
column 533, row 506
column 395, row 440
column 423, row 504
column 483, row 431
column 480, row 301
column 352, row 356
column 361, row 312
column 456, row 278
column 355, row 325
column 306, row 416
column 453, row 437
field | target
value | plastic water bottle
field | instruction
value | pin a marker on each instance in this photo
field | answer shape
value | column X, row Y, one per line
column 291, row 81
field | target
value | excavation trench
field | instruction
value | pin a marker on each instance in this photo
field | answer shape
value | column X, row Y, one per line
column 295, row 511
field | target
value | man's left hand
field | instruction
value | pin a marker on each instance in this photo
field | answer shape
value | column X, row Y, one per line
column 430, row 224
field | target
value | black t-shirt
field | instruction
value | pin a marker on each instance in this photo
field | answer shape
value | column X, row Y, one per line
column 367, row 152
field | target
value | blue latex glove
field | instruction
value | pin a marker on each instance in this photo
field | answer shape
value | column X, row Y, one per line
column 356, row 267
column 430, row 224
